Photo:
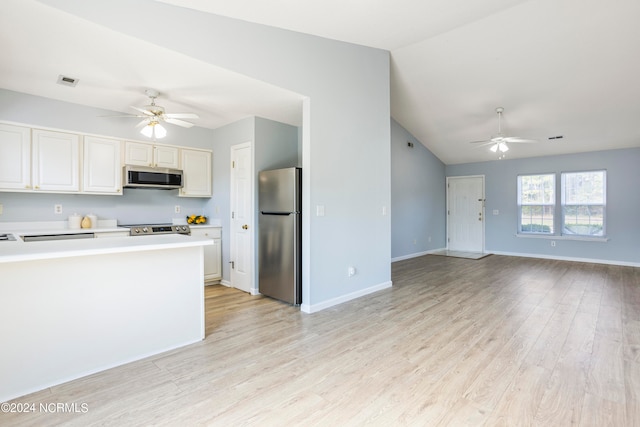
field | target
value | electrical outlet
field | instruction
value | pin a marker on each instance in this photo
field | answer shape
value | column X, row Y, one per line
column 177, row 209
column 553, row 243
column 57, row 209
column 351, row 271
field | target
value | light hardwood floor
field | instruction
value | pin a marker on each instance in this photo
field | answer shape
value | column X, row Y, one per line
column 498, row 341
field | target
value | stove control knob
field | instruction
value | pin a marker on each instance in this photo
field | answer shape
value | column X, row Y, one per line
column 136, row 230
column 145, row 229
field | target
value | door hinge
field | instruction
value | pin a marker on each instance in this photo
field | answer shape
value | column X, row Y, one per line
column 448, row 212
column 233, row 164
column 233, row 215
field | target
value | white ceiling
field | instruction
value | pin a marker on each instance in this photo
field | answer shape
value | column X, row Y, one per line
column 558, row 67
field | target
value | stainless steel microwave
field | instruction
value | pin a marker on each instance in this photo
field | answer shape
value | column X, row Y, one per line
column 145, row 177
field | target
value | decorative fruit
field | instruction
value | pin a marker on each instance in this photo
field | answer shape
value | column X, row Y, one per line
column 196, row 219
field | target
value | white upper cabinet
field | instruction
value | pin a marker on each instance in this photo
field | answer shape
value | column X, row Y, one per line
column 196, row 166
column 141, row 154
column 102, row 170
column 55, row 162
column 15, row 157
column 166, row 157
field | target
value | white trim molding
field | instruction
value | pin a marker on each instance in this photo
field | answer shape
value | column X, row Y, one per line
column 309, row 309
column 566, row 258
column 416, row 254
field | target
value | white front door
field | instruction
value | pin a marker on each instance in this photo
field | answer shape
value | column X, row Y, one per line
column 465, row 213
column 241, row 244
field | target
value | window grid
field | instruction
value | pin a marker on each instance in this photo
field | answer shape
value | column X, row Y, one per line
column 536, row 204
column 584, row 203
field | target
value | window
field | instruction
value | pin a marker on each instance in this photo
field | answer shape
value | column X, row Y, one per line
column 536, row 203
column 583, row 203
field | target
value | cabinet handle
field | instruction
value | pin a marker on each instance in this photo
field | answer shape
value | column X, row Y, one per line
column 37, row 187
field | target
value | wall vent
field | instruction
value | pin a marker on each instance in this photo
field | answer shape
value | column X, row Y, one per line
column 556, row 137
column 67, row 81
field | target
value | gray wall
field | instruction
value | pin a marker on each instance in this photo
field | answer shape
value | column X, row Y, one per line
column 346, row 129
column 418, row 197
column 275, row 145
column 623, row 205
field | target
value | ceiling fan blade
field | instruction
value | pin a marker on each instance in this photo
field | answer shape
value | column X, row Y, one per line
column 142, row 123
column 120, row 115
column 181, row 116
column 485, row 141
column 178, row 122
column 145, row 112
column 517, row 139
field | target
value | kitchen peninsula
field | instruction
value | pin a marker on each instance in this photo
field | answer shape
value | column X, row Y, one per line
column 71, row 308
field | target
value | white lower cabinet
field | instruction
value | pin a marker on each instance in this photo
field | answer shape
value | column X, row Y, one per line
column 212, row 253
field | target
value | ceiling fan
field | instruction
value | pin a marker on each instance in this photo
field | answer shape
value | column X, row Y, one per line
column 153, row 115
column 500, row 141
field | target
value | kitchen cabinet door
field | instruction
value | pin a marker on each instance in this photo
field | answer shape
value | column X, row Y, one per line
column 212, row 253
column 15, row 157
column 166, row 157
column 102, row 170
column 55, row 161
column 196, row 166
column 141, row 154
column 137, row 153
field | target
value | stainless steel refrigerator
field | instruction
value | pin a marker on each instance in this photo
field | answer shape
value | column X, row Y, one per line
column 279, row 236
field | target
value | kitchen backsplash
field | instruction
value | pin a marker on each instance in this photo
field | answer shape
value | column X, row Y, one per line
column 135, row 206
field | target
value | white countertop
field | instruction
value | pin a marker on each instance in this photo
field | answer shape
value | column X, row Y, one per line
column 18, row 250
column 56, row 227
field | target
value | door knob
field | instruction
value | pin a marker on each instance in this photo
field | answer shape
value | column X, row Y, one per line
column 245, row 227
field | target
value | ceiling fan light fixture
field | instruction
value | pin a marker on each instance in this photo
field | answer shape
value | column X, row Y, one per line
column 503, row 147
column 154, row 129
column 494, row 148
column 160, row 131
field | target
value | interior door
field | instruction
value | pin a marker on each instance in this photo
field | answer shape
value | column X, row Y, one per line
column 465, row 213
column 241, row 235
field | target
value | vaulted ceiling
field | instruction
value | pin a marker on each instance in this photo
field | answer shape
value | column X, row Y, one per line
column 558, row 67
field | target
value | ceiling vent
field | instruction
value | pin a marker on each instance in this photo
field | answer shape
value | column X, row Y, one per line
column 67, row 81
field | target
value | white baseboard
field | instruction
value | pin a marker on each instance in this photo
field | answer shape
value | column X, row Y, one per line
column 306, row 308
column 416, row 255
column 225, row 283
column 565, row 258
